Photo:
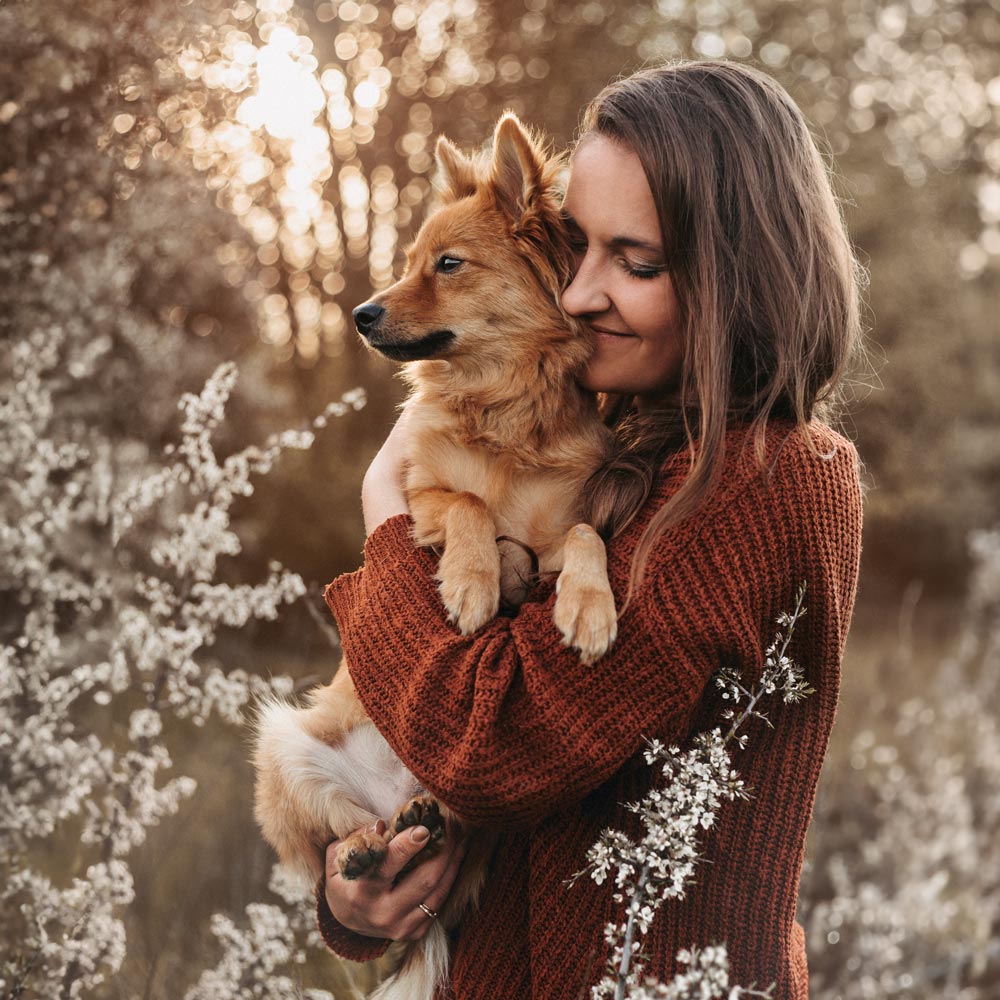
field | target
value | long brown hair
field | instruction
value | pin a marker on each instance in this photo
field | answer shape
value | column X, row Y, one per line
column 768, row 285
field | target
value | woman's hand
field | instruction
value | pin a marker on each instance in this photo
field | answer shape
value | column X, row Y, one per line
column 382, row 493
column 376, row 907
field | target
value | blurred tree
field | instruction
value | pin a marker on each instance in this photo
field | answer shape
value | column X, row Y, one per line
column 312, row 127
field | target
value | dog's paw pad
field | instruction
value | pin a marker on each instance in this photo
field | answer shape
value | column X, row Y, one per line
column 420, row 811
column 360, row 853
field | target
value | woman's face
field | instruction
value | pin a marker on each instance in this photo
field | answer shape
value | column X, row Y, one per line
column 621, row 288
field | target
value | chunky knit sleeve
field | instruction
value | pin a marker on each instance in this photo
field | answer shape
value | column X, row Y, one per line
column 506, row 725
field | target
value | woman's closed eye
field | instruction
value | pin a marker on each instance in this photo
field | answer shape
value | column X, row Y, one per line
column 576, row 241
column 640, row 270
column 579, row 244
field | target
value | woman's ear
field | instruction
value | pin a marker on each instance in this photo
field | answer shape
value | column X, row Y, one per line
column 518, row 168
column 456, row 172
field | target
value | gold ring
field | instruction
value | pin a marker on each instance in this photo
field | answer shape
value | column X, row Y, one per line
column 428, row 911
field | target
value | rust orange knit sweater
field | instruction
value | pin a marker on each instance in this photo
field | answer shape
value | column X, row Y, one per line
column 509, row 729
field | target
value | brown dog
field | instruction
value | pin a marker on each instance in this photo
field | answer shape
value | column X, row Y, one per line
column 503, row 440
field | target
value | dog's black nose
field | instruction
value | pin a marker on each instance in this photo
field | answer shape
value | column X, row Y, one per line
column 367, row 317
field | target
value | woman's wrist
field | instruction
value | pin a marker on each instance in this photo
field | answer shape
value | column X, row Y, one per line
column 341, row 939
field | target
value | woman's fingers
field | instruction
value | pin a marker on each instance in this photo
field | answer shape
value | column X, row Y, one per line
column 428, row 884
column 382, row 493
column 386, row 903
column 402, row 849
column 438, row 895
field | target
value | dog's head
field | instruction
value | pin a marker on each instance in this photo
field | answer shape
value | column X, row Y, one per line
column 484, row 274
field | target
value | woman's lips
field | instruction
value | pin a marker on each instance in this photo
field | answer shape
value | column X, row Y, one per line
column 600, row 330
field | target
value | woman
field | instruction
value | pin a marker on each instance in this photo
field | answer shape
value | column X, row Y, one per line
column 715, row 272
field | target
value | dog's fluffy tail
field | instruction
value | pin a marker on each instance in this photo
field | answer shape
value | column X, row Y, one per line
column 424, row 970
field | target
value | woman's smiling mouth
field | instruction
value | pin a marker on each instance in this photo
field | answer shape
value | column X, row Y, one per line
column 610, row 333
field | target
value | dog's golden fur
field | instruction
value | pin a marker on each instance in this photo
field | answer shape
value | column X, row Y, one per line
column 502, row 441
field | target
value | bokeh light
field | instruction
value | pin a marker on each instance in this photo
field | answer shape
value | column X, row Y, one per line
column 291, row 161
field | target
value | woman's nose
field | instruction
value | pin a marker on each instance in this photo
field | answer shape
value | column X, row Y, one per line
column 584, row 295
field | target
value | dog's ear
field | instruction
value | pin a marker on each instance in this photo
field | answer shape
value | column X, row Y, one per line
column 518, row 169
column 456, row 172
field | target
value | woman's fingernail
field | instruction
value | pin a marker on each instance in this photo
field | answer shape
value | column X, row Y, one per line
column 419, row 834
column 380, row 827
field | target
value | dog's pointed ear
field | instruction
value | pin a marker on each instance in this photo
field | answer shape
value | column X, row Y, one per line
column 456, row 176
column 518, row 169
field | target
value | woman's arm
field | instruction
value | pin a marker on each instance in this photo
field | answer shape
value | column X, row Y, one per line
column 507, row 726
column 382, row 494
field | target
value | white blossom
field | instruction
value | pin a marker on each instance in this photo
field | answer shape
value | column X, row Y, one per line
column 706, row 978
column 89, row 635
column 902, row 897
column 660, row 864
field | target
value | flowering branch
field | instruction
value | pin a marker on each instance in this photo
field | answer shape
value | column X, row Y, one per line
column 253, row 957
column 661, row 864
column 88, row 631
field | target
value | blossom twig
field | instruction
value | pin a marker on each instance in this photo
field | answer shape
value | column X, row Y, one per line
column 82, row 631
column 660, row 865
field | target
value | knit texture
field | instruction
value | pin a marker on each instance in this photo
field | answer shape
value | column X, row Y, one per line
column 511, row 731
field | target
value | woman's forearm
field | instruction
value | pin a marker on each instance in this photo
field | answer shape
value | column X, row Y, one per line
column 505, row 725
column 382, row 494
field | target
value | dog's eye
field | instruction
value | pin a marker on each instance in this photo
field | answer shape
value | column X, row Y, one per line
column 448, row 264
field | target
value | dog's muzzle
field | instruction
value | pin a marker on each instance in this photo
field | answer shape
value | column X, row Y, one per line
column 368, row 319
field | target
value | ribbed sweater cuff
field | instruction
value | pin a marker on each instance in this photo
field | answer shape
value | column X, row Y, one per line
column 346, row 943
column 390, row 547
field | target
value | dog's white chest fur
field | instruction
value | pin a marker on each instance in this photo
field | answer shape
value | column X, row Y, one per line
column 376, row 775
column 360, row 768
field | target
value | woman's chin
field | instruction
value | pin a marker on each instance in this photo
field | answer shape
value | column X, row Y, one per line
column 594, row 379
column 586, row 381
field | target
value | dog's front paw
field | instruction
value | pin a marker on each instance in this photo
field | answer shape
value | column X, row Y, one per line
column 360, row 853
column 421, row 811
column 585, row 615
column 471, row 596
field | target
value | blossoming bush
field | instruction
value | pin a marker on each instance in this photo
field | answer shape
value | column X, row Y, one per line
column 96, row 657
column 902, row 897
